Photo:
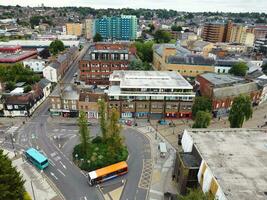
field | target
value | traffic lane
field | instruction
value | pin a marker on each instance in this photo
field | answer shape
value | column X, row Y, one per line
column 135, row 144
column 73, row 175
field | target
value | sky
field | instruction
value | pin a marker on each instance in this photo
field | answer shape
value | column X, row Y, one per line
column 180, row 5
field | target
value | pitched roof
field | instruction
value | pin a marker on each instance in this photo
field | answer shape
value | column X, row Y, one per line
column 54, row 64
column 43, row 83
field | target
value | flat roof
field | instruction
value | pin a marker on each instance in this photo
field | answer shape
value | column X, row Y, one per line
column 15, row 57
column 150, row 79
column 222, row 79
column 237, row 159
column 38, row 43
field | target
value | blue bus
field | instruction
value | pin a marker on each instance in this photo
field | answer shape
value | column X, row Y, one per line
column 36, row 158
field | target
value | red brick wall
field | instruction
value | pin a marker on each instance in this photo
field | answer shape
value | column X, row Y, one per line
column 205, row 86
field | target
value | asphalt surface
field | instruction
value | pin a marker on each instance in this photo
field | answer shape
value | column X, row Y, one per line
column 70, row 180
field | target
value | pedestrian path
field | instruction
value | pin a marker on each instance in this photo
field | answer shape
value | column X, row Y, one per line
column 161, row 167
column 36, row 183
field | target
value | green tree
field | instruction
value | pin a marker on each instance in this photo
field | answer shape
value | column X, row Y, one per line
column 98, row 38
column 162, row 36
column 145, row 51
column 102, row 118
column 201, row 104
column 114, row 132
column 139, row 65
column 11, row 184
column 56, row 46
column 151, row 27
column 27, row 88
column 264, row 68
column 84, row 132
column 196, row 194
column 239, row 69
column 176, row 28
column 241, row 110
column 202, row 119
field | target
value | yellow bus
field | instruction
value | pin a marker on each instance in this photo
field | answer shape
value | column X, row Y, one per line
column 107, row 173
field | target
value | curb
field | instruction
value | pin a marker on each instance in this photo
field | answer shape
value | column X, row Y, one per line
column 53, row 186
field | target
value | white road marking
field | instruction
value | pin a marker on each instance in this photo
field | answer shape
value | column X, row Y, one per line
column 51, row 162
column 62, row 165
column 52, row 174
column 85, row 198
column 61, row 172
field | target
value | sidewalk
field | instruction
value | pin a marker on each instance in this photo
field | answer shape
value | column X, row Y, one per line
column 161, row 179
column 36, row 183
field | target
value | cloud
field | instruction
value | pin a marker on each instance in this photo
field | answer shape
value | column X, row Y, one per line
column 180, row 5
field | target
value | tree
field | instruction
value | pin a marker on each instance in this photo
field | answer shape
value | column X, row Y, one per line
column 197, row 194
column 84, row 132
column 176, row 28
column 114, row 133
column 264, row 68
column 145, row 51
column 11, row 184
column 202, row 119
column 201, row 104
column 239, row 69
column 241, row 110
column 151, row 27
column 139, row 65
column 56, row 46
column 98, row 38
column 162, row 36
column 27, row 88
column 102, row 118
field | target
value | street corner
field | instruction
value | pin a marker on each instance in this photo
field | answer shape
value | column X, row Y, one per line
column 113, row 191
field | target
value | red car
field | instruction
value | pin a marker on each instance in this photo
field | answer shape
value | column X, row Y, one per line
column 128, row 122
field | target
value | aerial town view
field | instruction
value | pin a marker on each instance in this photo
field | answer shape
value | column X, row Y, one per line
column 133, row 100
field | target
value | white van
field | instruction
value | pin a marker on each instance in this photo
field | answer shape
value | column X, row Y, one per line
column 162, row 149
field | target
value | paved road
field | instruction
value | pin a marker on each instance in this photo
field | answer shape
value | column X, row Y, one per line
column 69, row 179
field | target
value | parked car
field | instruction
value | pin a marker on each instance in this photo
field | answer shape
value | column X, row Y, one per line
column 129, row 122
column 162, row 122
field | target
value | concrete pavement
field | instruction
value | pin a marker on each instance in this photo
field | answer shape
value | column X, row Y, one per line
column 36, row 183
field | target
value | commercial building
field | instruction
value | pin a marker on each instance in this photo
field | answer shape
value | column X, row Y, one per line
column 122, row 27
column 36, row 65
column 102, row 59
column 64, row 101
column 88, row 102
column 74, row 29
column 14, row 54
column 89, row 28
column 228, row 163
column 38, row 43
column 173, row 57
column 241, row 34
column 150, row 94
column 223, row 88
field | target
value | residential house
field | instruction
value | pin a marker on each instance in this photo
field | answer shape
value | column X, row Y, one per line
column 52, row 72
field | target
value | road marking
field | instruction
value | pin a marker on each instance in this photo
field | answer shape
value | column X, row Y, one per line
column 85, row 198
column 157, row 192
column 51, row 162
column 52, row 174
column 61, row 172
column 62, row 165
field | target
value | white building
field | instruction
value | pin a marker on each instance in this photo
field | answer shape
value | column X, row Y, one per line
column 51, row 72
column 233, row 162
column 36, row 65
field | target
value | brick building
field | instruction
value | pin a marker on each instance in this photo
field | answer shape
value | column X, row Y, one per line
column 102, row 59
column 223, row 88
column 150, row 94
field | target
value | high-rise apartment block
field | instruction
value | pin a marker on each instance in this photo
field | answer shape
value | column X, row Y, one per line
column 214, row 32
column 89, row 28
column 123, row 27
